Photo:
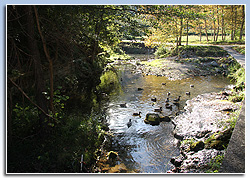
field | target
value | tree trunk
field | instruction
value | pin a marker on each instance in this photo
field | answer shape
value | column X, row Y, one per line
column 187, row 33
column 180, row 34
column 242, row 21
column 218, row 24
column 49, row 60
column 200, row 31
column 39, row 81
column 232, row 30
column 206, row 29
column 222, row 25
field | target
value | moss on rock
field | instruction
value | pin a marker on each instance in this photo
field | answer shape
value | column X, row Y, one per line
column 153, row 119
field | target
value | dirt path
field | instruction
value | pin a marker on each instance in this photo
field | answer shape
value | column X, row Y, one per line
column 239, row 57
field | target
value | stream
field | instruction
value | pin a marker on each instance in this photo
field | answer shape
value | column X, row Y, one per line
column 142, row 147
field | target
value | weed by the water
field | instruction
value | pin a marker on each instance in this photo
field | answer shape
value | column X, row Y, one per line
column 215, row 164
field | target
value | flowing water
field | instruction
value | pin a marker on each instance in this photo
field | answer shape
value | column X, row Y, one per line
column 142, row 147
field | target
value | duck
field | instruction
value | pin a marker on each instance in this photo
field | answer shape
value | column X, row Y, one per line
column 129, row 123
column 164, row 84
column 158, row 110
column 167, row 100
column 188, row 93
column 168, row 106
column 137, row 114
column 191, row 85
column 153, row 99
column 123, row 105
column 140, row 89
column 168, row 93
column 177, row 100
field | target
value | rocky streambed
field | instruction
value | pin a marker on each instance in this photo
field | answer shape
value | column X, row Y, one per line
column 203, row 131
column 181, row 68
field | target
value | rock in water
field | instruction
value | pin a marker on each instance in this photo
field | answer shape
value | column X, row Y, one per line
column 120, row 168
column 153, row 119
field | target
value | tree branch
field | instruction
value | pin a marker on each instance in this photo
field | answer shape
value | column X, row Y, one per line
column 20, row 89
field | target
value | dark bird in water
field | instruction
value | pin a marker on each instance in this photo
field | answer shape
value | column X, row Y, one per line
column 153, row 99
column 168, row 106
column 158, row 110
column 129, row 123
column 168, row 94
column 191, row 85
column 163, row 84
column 137, row 114
column 140, row 89
column 123, row 105
column 177, row 100
column 167, row 100
column 188, row 93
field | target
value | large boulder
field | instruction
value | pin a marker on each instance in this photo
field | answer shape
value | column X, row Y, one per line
column 153, row 119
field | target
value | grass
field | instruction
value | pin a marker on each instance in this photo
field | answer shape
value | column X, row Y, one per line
column 195, row 39
column 154, row 63
column 239, row 49
column 215, row 164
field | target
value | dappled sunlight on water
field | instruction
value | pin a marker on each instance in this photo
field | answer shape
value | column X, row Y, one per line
column 144, row 147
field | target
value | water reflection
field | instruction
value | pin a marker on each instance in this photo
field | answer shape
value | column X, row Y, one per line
column 142, row 146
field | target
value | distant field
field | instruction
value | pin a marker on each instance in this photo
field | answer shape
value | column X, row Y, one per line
column 193, row 39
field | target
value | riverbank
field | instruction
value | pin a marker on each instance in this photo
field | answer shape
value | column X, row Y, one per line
column 203, row 132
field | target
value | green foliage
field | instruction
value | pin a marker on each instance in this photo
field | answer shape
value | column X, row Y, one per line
column 237, row 75
column 239, row 49
column 233, row 119
column 215, row 164
column 109, row 81
column 162, row 51
column 24, row 120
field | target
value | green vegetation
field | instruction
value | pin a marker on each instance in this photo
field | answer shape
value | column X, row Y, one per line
column 57, row 74
column 56, row 56
column 215, row 164
column 180, row 23
column 237, row 75
column 239, row 49
column 155, row 63
column 190, row 51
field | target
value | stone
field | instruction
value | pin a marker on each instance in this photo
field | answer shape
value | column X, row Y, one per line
column 165, row 118
column 120, row 168
column 196, row 146
column 152, row 119
column 219, row 140
column 177, row 161
column 202, row 134
column 214, row 63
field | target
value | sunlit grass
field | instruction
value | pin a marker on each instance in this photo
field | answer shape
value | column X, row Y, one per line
column 154, row 63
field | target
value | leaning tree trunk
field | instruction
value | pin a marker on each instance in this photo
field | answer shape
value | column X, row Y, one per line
column 39, row 81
